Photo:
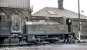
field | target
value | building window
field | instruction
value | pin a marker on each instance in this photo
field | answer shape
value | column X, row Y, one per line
column 3, row 17
column 16, row 24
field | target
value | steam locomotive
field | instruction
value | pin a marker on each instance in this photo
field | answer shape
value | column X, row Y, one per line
column 39, row 33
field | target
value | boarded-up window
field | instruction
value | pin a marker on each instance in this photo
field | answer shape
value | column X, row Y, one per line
column 75, row 26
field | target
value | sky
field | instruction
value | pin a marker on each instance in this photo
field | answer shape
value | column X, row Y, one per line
column 68, row 4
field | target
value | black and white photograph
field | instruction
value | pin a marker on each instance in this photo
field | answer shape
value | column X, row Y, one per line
column 43, row 25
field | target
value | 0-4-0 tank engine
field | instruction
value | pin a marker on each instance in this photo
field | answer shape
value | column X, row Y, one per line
column 48, row 32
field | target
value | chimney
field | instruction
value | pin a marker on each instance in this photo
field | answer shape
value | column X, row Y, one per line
column 60, row 4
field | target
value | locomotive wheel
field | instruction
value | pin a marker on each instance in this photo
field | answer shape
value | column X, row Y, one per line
column 51, row 41
column 1, row 40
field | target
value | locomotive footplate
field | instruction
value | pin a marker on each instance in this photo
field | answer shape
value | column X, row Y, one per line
column 53, row 37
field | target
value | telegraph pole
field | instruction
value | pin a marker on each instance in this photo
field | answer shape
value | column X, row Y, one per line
column 79, row 18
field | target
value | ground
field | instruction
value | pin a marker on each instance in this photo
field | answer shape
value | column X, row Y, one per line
column 50, row 47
